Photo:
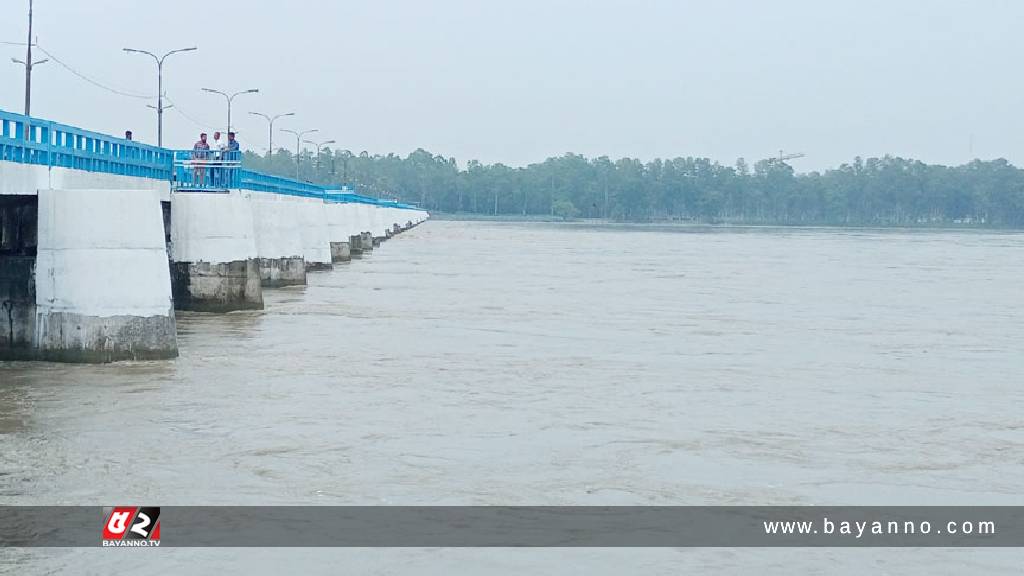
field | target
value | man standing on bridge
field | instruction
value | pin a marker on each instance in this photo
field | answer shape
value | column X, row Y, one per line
column 200, row 152
column 232, row 154
column 232, row 146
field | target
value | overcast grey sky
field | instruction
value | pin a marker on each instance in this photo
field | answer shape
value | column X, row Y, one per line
column 516, row 82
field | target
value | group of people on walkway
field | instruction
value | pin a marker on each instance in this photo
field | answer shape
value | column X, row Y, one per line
column 209, row 160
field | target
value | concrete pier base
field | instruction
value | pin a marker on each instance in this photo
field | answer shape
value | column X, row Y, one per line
column 367, row 241
column 340, row 252
column 71, row 337
column 277, row 272
column 102, row 285
column 355, row 246
column 215, row 264
column 341, row 222
column 278, row 241
column 315, row 235
column 217, row 287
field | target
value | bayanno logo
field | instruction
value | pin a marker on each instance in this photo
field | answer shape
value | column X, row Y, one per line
column 131, row 526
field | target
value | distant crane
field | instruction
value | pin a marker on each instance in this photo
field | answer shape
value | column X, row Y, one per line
column 783, row 156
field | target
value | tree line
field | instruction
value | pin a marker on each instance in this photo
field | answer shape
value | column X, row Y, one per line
column 887, row 191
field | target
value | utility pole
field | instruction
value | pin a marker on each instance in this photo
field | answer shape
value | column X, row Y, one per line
column 270, row 120
column 298, row 142
column 28, row 63
column 229, row 98
column 159, row 87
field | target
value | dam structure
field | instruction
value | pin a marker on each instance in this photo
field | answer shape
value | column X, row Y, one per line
column 102, row 239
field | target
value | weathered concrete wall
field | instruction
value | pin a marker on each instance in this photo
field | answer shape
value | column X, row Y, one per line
column 278, row 272
column 217, row 286
column 278, row 239
column 18, row 216
column 355, row 246
column 213, row 248
column 316, row 239
column 340, row 252
column 102, row 284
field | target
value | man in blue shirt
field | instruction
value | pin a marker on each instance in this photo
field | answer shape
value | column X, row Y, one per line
column 232, row 147
column 232, row 154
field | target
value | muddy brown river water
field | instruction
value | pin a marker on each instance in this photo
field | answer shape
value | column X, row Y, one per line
column 505, row 363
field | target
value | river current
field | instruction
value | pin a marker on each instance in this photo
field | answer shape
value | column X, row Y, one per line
column 509, row 363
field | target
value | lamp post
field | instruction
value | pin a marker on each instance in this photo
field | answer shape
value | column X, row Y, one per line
column 159, row 87
column 318, row 148
column 298, row 142
column 345, row 155
column 270, row 120
column 230, row 97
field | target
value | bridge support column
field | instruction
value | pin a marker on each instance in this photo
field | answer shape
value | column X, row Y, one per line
column 103, row 290
column 316, row 241
column 215, row 262
column 278, row 241
column 338, row 226
column 380, row 229
column 363, row 225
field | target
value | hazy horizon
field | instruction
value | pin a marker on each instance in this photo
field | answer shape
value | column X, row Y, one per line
column 522, row 82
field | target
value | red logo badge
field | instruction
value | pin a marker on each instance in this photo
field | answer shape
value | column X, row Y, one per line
column 131, row 526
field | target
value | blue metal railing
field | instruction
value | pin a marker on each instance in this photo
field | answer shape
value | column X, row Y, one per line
column 260, row 182
column 207, row 170
column 348, row 195
column 29, row 140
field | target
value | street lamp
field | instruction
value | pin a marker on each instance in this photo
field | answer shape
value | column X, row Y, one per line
column 230, row 97
column 270, row 119
column 318, row 148
column 159, row 87
column 298, row 141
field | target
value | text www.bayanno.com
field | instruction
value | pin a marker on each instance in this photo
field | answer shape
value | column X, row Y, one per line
column 861, row 528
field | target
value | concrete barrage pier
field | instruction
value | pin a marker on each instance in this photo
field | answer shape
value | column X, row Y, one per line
column 215, row 265
column 278, row 246
column 101, row 239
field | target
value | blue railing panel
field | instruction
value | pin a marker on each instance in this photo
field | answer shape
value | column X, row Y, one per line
column 259, row 182
column 206, row 170
column 58, row 145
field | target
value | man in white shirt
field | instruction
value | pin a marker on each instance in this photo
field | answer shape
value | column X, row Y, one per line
column 216, row 153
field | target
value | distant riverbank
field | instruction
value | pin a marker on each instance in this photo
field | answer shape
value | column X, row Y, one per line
column 469, row 217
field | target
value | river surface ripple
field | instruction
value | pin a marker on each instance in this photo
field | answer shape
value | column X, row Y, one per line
column 498, row 363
